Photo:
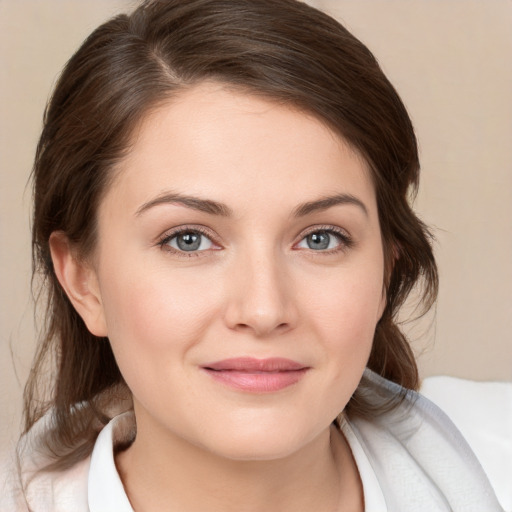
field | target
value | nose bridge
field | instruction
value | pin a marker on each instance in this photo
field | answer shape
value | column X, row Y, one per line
column 260, row 297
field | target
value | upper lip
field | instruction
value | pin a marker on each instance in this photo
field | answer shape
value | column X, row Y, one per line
column 251, row 364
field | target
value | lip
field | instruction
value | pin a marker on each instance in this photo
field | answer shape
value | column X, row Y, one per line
column 256, row 375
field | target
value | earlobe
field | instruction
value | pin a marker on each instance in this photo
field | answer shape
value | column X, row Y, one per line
column 79, row 281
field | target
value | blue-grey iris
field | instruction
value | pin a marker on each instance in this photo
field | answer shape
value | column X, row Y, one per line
column 319, row 240
column 188, row 241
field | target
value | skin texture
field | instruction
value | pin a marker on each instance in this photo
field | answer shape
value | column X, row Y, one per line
column 255, row 288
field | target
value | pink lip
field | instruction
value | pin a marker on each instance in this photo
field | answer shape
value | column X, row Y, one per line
column 256, row 375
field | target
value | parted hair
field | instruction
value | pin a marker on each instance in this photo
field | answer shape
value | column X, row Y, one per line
column 282, row 50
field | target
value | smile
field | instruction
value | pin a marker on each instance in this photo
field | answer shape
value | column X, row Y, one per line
column 256, row 375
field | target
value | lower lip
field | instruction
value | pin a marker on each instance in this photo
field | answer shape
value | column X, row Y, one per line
column 257, row 382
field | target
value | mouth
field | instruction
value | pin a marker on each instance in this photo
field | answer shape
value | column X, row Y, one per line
column 256, row 375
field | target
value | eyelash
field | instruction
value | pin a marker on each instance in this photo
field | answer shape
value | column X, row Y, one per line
column 345, row 240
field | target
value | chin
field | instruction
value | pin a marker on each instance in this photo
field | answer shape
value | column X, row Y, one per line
column 261, row 442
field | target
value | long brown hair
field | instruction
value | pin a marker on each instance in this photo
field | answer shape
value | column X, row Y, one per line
column 283, row 50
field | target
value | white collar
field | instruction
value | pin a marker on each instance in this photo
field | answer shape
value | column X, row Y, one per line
column 105, row 489
column 373, row 497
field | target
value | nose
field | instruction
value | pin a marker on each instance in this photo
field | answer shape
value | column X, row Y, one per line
column 260, row 296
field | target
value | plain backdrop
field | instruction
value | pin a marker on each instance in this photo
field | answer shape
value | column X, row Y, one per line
column 450, row 60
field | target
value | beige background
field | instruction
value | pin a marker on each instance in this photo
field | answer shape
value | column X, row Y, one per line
column 451, row 61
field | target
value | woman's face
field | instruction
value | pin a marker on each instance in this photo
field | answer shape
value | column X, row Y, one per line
column 239, row 269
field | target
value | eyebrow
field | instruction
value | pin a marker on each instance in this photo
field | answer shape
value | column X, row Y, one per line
column 328, row 202
column 215, row 208
column 195, row 203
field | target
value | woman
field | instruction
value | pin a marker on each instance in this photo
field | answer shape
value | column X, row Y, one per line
column 222, row 219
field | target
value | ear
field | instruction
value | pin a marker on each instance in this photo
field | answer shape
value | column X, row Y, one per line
column 80, row 282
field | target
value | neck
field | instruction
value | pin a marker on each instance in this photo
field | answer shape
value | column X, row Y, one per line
column 177, row 475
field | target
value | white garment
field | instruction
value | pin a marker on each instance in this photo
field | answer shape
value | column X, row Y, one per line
column 421, row 460
column 482, row 411
column 410, row 459
column 374, row 500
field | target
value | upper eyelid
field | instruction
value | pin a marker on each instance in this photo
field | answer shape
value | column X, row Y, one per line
column 329, row 228
column 172, row 232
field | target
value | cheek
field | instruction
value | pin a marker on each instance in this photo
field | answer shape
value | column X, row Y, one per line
column 345, row 317
column 350, row 306
column 152, row 312
column 155, row 320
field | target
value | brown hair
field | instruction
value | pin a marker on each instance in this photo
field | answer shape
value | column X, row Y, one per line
column 283, row 50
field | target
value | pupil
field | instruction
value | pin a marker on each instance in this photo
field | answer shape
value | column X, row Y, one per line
column 318, row 240
column 189, row 241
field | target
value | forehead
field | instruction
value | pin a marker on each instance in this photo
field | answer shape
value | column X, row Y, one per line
column 213, row 140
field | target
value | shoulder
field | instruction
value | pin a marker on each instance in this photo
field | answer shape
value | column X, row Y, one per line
column 482, row 411
column 62, row 491
column 420, row 458
column 90, row 485
column 25, row 488
column 26, row 485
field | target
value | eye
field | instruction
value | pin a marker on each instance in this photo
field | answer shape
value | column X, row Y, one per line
column 325, row 240
column 187, row 240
